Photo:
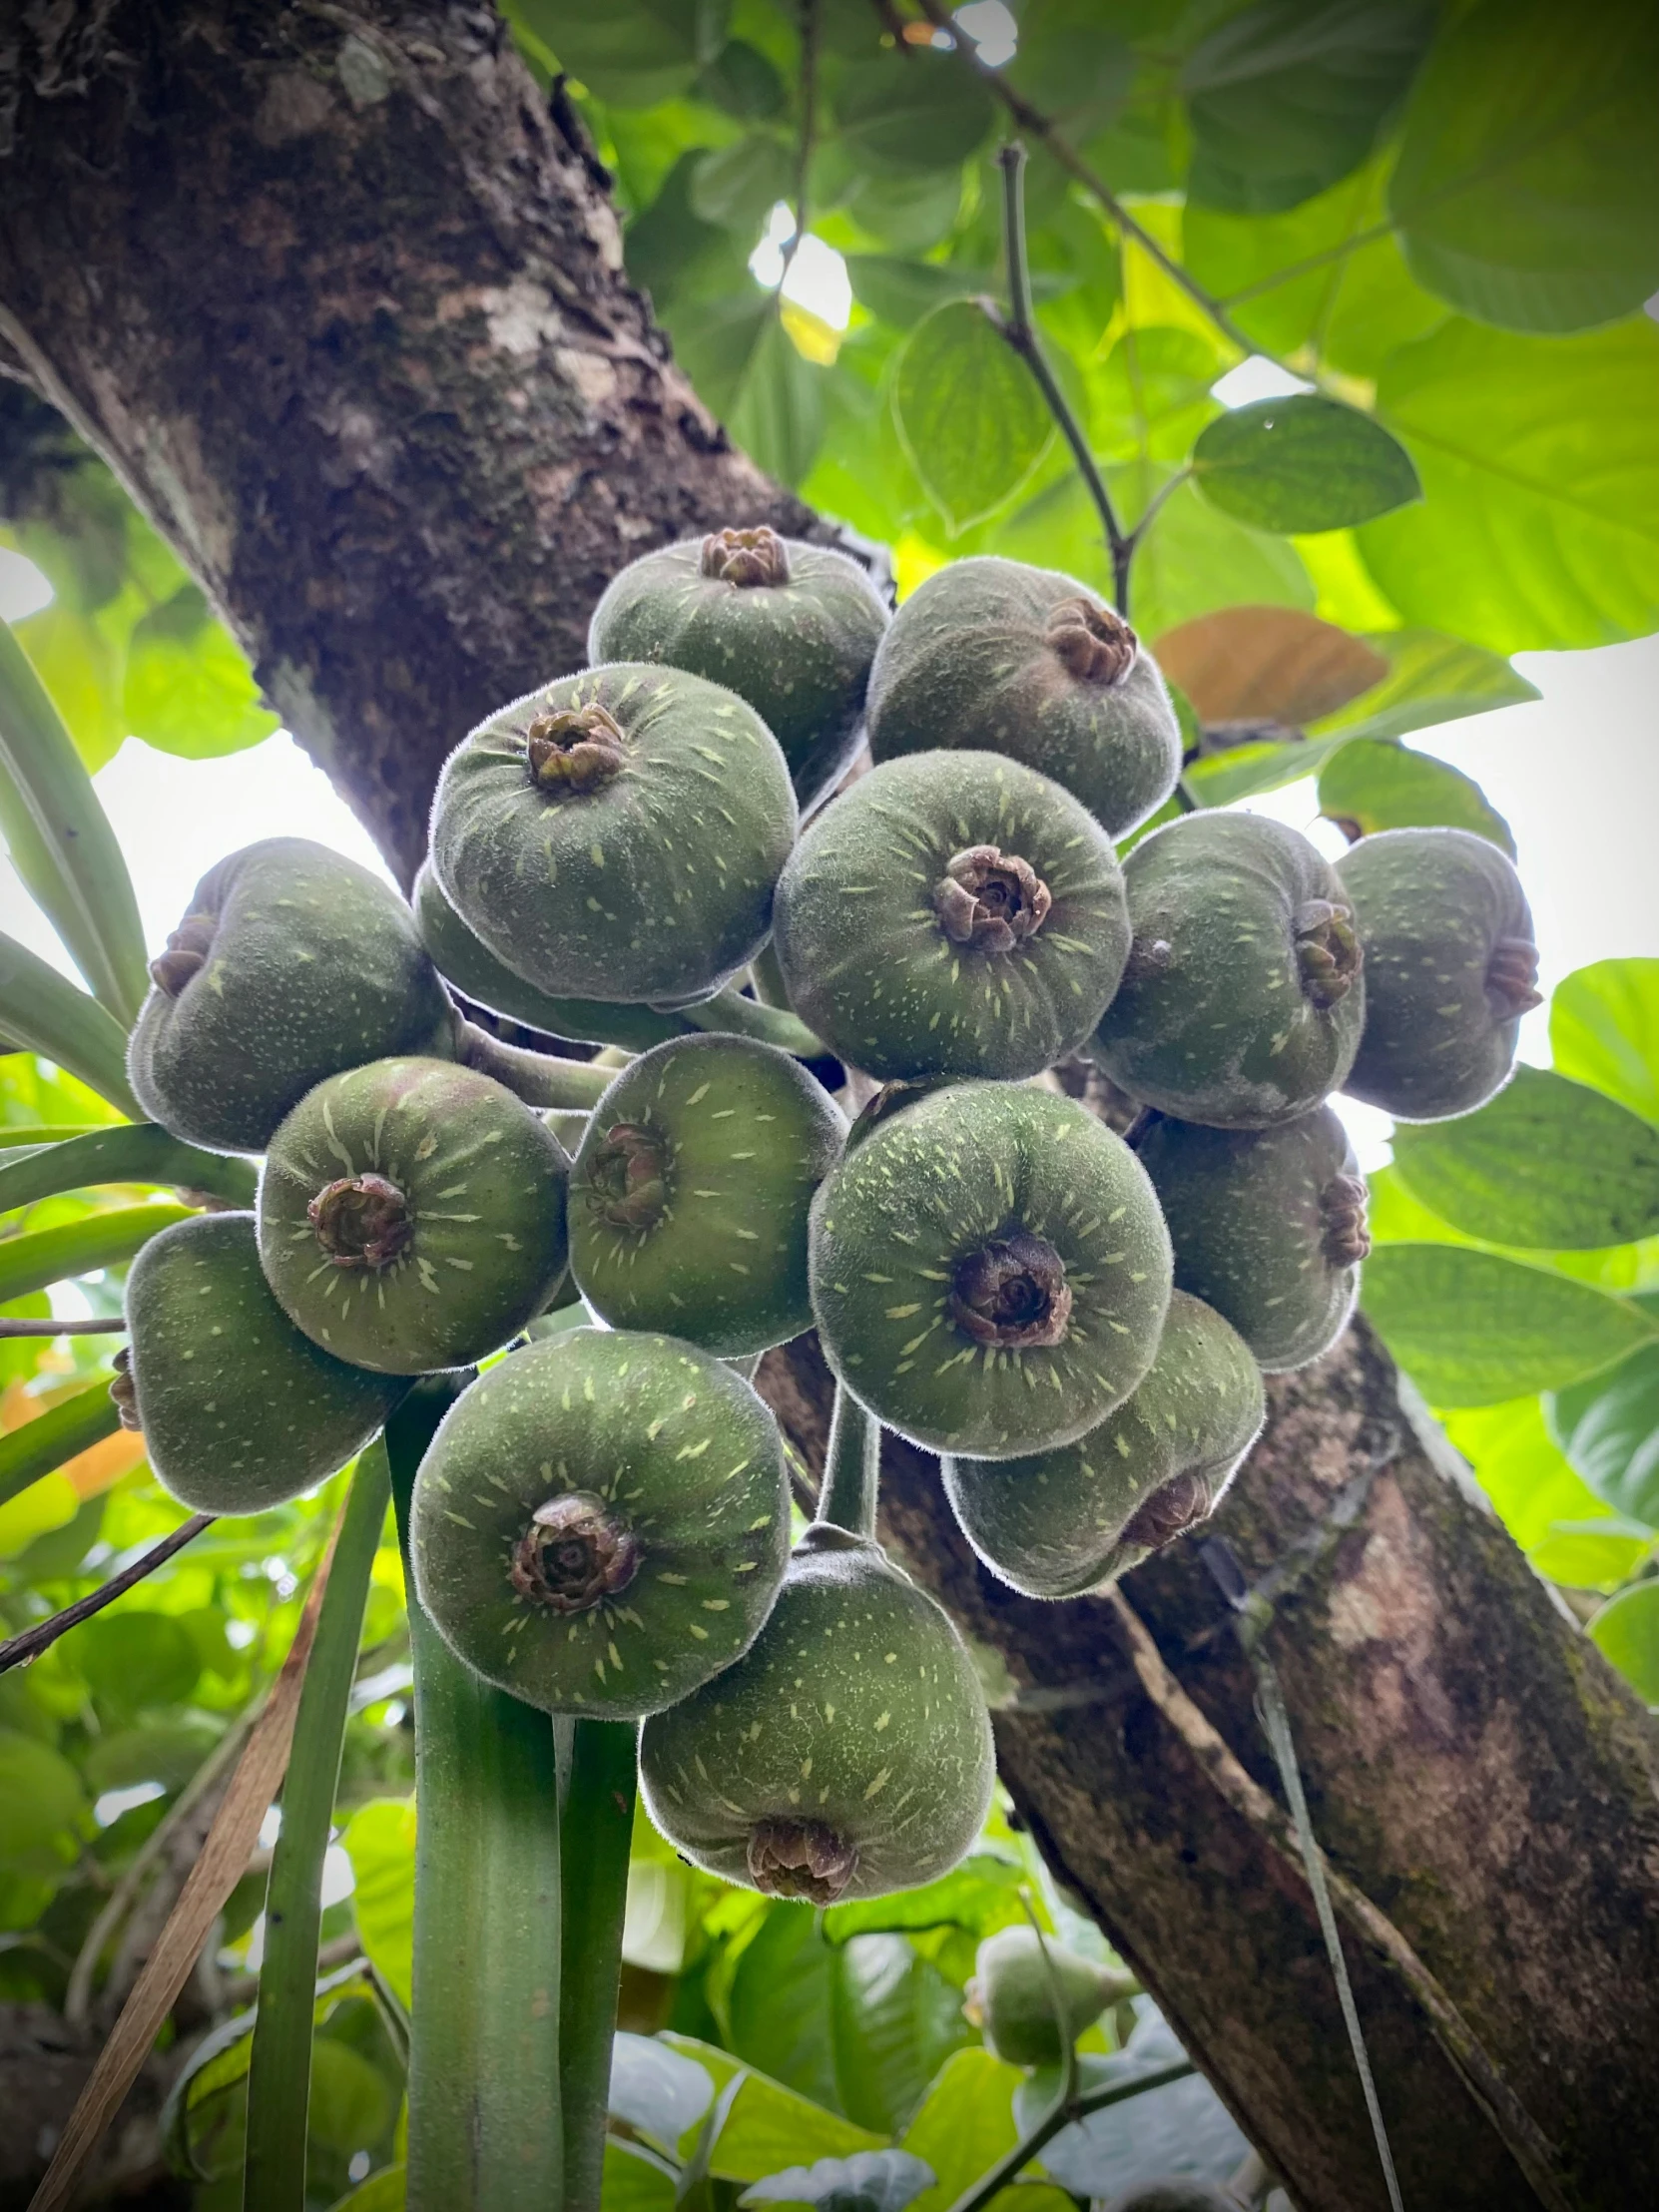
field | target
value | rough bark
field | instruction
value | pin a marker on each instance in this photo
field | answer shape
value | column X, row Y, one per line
column 343, row 306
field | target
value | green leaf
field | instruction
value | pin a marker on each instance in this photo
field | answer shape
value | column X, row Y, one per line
column 134, row 1658
column 136, row 1152
column 82, row 668
column 632, row 56
column 1527, row 184
column 969, row 413
column 1604, row 1030
column 1151, row 396
column 1626, row 1631
column 1072, row 65
column 742, row 81
column 767, row 2125
column 1378, row 785
column 385, row 2192
column 1608, row 1429
column 379, row 1840
column 870, row 2181
column 1285, row 98
column 40, row 1802
column 979, row 1897
column 1431, row 679
column 81, row 1247
column 1302, row 464
column 778, row 2008
column 1472, row 1327
column 776, row 412
column 1180, row 2128
column 676, row 256
column 901, row 291
column 1195, row 558
column 43, row 1012
column 1244, row 770
column 914, row 111
column 966, row 2125
column 738, row 186
column 634, row 2181
column 656, row 2090
column 1543, row 1500
column 1539, row 460
column 350, row 2102
column 1546, row 1165
column 188, row 689
column 57, row 1435
column 896, row 2019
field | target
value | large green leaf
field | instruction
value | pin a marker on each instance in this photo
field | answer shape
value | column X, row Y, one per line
column 966, row 2125
column 1527, row 184
column 134, row 1658
column 901, row 291
column 779, row 2006
column 188, row 690
column 1375, row 784
column 1626, row 1631
column 1604, row 1030
column 1472, row 1327
column 1608, row 1429
column 1539, row 460
column 767, row 2125
column 1431, row 679
column 896, row 2019
column 737, row 185
column 379, row 1840
column 914, row 111
column 1246, row 770
column 633, row 56
column 1302, row 464
column 1151, row 396
column 870, row 2181
column 979, row 1897
column 40, row 1802
column 1566, row 1528
column 1194, row 558
column 969, row 411
column 777, row 416
column 1072, row 64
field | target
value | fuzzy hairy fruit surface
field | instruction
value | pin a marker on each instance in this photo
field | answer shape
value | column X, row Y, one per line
column 602, row 1521
column 239, row 1412
column 1061, row 1523
column 293, row 964
column 848, row 1755
column 989, row 1271
column 617, row 835
column 953, row 915
column 690, row 1193
column 991, row 655
column 790, row 626
column 1013, row 1991
column 1269, row 1227
column 1451, row 968
column 1244, row 998
column 412, row 1214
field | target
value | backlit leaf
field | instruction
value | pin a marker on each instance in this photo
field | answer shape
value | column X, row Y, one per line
column 1609, row 1430
column 921, row 110
column 1302, row 464
column 737, row 185
column 1268, row 664
column 1375, row 784
column 969, row 413
column 633, row 56
column 1626, row 1631
column 188, row 689
column 1430, row 679
column 1604, row 1030
column 1543, row 1500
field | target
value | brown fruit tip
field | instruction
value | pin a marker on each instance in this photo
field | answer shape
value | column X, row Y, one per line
column 800, row 1859
column 573, row 1555
column 362, row 1220
column 122, row 1390
column 185, row 955
column 1012, row 1294
column 1344, row 1238
column 627, row 1177
column 991, row 901
column 1175, row 1506
column 575, row 750
column 1327, row 952
column 1512, row 975
column 1093, row 643
column 746, row 557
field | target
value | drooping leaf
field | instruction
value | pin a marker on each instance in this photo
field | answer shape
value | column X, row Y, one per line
column 634, row 2181
column 737, row 185
column 1604, row 1030
column 1268, row 664
column 1302, row 464
column 777, row 416
column 1430, row 679
column 1567, row 1530
column 1609, row 1427
column 1473, row 1329
column 1626, row 1631
column 965, row 2125
column 657, row 2090
column 351, row 2105
column 894, row 2020
column 1223, row 778
column 969, row 413
column 633, row 56
column 676, row 256
column 1369, row 784
column 779, row 2006
column 1527, row 184
column 916, row 111
column 767, row 2125
column 1180, row 2130
column 870, row 2181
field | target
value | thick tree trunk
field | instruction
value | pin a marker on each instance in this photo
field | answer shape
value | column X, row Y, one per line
column 343, row 305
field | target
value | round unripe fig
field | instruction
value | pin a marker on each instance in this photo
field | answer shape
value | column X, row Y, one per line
column 1242, row 1000
column 953, row 915
column 849, row 1754
column 1269, row 1227
column 989, row 1271
column 1061, row 1523
column 991, row 655
column 412, row 1214
column 602, row 1521
column 239, row 1411
column 690, row 1194
column 293, row 964
column 1451, row 968
column 617, row 835
column 790, row 626
column 1012, row 1993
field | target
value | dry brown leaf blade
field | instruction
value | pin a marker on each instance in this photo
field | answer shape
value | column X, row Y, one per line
column 1268, row 664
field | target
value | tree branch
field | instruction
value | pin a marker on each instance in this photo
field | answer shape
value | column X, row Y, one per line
column 33, row 1641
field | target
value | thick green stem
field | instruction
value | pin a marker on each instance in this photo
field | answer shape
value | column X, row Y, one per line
column 80, row 1246
column 485, row 2130
column 41, row 1011
column 852, row 1467
column 134, row 1151
column 49, row 1440
column 767, row 1019
column 596, row 1828
column 767, row 975
column 538, row 1078
column 279, row 2068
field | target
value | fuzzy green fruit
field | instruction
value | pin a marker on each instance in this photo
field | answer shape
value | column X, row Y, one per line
column 1242, row 1000
column 412, row 1214
column 617, row 835
column 293, row 964
column 1451, row 968
column 848, row 1755
column 1269, row 1227
column 1012, row 1994
column 1062, row 1522
column 953, row 915
column 790, row 626
column 602, row 1523
column 690, row 1194
column 239, row 1411
column 989, row 1271
column 991, row 655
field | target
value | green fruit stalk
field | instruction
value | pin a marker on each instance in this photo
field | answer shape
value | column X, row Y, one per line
column 790, row 626
column 239, row 1412
column 1451, row 968
column 293, row 964
column 412, row 1216
column 1243, row 1000
column 1061, row 1523
column 617, row 835
column 849, row 1754
column 1012, row 1995
column 602, row 1523
column 989, row 1271
column 690, row 1194
column 1269, row 1227
column 991, row 655
column 953, row 915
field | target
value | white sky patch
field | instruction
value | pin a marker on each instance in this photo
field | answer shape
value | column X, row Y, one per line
column 816, row 278
column 108, row 1808
column 992, row 28
column 23, row 589
column 1256, row 379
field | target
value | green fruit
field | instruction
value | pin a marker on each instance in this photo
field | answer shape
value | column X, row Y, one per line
column 1451, row 968
column 989, row 1271
column 239, row 1411
column 790, row 626
column 602, row 1523
column 1013, row 1988
column 617, row 835
column 954, row 914
column 690, row 1193
column 1062, row 1522
column 1243, row 1000
column 1269, row 1227
column 412, row 1214
column 293, row 964
column 991, row 655
column 848, row 1755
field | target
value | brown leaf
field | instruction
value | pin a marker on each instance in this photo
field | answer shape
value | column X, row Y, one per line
column 1268, row 664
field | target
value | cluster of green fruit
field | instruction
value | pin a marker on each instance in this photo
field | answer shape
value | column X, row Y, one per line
column 1077, row 1324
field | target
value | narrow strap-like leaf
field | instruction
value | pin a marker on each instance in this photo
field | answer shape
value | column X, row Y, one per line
column 79, row 1247
column 596, row 1829
column 135, row 1151
column 43, row 1012
column 49, row 1440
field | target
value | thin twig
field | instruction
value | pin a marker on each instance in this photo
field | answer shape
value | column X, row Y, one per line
column 1311, row 261
column 33, row 1641
column 62, row 1328
column 808, row 129
column 990, row 2185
